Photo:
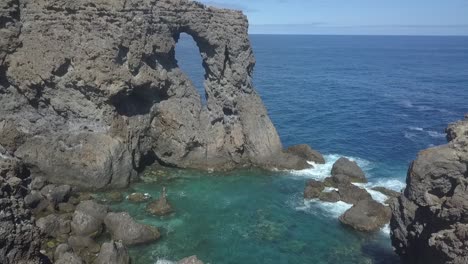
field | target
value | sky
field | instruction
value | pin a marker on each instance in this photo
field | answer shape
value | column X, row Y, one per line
column 352, row 17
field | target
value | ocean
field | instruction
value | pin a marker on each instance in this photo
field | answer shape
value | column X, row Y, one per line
column 378, row 100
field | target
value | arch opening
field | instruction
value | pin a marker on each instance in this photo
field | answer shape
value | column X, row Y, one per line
column 187, row 55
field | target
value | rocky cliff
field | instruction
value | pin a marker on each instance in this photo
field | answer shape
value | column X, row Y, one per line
column 91, row 91
column 430, row 219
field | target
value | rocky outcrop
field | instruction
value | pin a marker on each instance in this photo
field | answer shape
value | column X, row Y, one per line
column 95, row 87
column 20, row 239
column 306, row 152
column 430, row 219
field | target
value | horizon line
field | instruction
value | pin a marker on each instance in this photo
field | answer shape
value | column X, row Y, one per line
column 359, row 35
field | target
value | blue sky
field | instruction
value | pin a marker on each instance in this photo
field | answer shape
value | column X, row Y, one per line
column 353, row 17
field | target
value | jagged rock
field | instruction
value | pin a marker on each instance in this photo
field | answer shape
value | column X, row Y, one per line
column 337, row 179
column 313, row 189
column 429, row 219
column 113, row 253
column 81, row 244
column 190, row 260
column 349, row 168
column 161, row 206
column 306, row 152
column 331, row 196
column 122, row 227
column 367, row 216
column 95, row 87
column 20, row 239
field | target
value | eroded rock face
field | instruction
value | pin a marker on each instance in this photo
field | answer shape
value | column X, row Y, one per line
column 430, row 220
column 19, row 237
column 95, row 86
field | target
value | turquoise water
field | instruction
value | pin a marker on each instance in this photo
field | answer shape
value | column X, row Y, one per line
column 249, row 216
column 378, row 100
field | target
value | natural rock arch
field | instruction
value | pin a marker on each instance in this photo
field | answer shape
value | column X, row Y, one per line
column 188, row 58
column 99, row 84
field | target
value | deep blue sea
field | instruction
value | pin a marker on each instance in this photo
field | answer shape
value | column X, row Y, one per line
column 376, row 99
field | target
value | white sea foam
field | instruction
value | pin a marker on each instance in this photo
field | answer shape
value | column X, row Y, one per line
column 329, row 209
column 330, row 189
column 409, row 135
column 416, row 128
column 386, row 229
column 391, row 184
column 164, row 261
column 322, row 171
column 436, row 134
column 377, row 196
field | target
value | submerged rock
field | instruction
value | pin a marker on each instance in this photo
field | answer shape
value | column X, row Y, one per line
column 190, row 260
column 344, row 166
column 366, row 215
column 161, row 206
column 429, row 221
column 122, row 227
column 138, row 197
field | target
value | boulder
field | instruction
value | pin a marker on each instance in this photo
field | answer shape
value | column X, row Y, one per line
column 93, row 209
column 83, row 245
column 88, row 218
column 69, row 258
column 161, row 206
column 33, row 199
column 56, row 194
column 122, row 227
column 304, row 151
column 352, row 194
column 367, row 216
column 38, row 183
column 349, row 168
column 113, row 253
column 84, row 224
column 190, row 260
column 313, row 189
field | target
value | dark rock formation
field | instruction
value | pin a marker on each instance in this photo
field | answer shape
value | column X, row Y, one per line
column 367, row 215
column 161, row 206
column 430, row 219
column 348, row 168
column 304, row 151
column 122, row 227
column 95, row 87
